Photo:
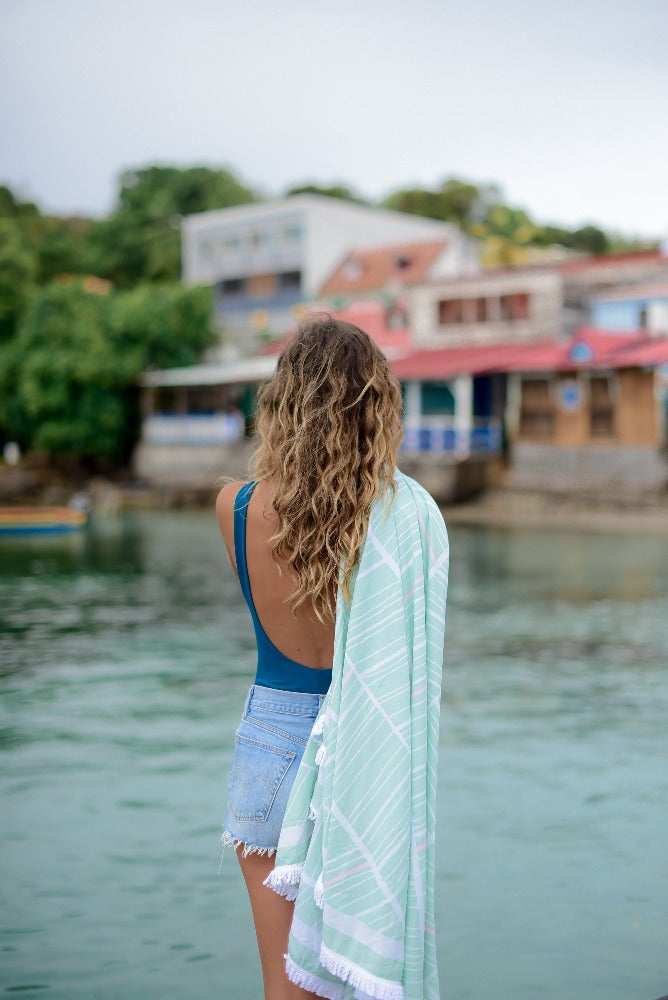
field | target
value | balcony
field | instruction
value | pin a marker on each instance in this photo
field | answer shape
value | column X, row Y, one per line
column 484, row 437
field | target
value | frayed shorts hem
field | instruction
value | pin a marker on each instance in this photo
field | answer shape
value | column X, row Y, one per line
column 229, row 840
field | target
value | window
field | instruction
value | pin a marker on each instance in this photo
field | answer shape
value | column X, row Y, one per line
column 233, row 286
column 536, row 408
column 450, row 311
column 292, row 234
column 515, row 306
column 437, row 399
column 290, row 281
column 262, row 286
column 205, row 248
column 206, row 399
column 396, row 316
column 601, row 406
column 352, row 270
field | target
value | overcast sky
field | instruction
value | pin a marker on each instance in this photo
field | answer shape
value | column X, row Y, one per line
column 563, row 104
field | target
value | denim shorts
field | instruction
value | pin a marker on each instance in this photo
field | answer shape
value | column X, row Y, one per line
column 268, row 748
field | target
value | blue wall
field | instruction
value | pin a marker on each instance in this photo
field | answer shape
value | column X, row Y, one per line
column 622, row 316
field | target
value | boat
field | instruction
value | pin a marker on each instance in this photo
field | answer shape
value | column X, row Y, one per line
column 40, row 520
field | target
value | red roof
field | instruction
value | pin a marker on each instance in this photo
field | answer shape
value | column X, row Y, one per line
column 651, row 353
column 370, row 315
column 476, row 360
column 374, row 269
column 588, row 348
column 605, row 260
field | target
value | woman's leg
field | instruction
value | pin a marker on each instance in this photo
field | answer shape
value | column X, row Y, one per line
column 272, row 915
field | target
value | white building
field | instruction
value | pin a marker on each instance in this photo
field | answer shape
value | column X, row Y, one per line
column 266, row 261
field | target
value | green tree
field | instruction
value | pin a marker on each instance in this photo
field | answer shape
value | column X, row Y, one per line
column 591, row 239
column 68, row 384
column 18, row 272
column 165, row 326
column 141, row 240
column 341, row 191
column 454, row 200
column 61, row 247
column 58, row 244
column 67, row 391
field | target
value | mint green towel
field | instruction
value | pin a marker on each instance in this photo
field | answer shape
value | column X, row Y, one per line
column 356, row 850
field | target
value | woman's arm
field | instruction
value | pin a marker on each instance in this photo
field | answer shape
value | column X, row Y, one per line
column 225, row 515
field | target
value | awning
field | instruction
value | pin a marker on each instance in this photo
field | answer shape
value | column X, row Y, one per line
column 248, row 371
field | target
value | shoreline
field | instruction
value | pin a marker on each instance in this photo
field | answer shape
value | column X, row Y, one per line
column 498, row 506
column 513, row 509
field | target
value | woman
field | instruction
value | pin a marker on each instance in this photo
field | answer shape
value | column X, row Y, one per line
column 325, row 482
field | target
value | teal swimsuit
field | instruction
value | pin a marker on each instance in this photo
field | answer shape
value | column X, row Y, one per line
column 274, row 670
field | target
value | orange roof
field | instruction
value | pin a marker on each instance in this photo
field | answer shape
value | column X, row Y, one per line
column 370, row 315
column 371, row 270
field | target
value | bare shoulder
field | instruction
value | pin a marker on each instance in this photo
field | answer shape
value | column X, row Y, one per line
column 225, row 499
column 225, row 514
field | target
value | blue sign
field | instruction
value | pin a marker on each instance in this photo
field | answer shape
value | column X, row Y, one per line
column 581, row 352
column 570, row 395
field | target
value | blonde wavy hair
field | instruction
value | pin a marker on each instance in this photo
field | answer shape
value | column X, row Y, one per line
column 329, row 423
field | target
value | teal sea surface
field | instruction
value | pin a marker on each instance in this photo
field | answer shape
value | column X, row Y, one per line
column 125, row 656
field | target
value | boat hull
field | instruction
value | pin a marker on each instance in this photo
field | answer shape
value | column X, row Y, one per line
column 40, row 520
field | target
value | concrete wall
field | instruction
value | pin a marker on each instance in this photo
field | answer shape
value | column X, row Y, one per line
column 544, row 320
column 191, row 466
column 594, row 469
column 188, row 467
column 449, row 481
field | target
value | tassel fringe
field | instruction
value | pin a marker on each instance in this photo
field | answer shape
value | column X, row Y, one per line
column 319, row 892
column 319, row 725
column 367, row 984
column 285, row 880
column 307, row 981
column 321, row 754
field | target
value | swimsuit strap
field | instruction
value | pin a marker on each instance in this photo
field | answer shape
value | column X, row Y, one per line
column 240, row 513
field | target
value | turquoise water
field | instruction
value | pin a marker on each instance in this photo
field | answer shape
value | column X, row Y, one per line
column 125, row 656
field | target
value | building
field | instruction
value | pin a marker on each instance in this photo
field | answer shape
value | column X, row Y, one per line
column 384, row 273
column 586, row 415
column 586, row 278
column 266, row 261
column 499, row 306
column 492, row 376
column 505, row 305
column 195, row 422
column 592, row 419
column 641, row 307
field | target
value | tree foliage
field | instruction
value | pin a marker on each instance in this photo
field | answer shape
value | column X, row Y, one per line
column 460, row 202
column 18, row 272
column 341, row 191
column 506, row 231
column 68, row 377
column 140, row 240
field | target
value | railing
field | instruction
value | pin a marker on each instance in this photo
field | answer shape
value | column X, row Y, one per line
column 484, row 437
column 192, row 428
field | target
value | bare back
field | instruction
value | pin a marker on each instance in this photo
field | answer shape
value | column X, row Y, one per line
column 301, row 637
